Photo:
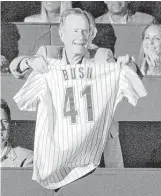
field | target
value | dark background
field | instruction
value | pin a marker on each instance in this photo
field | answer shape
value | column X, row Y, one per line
column 16, row 11
column 140, row 142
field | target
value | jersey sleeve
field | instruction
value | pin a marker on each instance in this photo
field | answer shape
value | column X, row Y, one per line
column 30, row 93
column 28, row 162
column 130, row 86
column 22, row 60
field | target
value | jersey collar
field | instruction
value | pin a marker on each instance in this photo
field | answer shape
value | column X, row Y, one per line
column 64, row 59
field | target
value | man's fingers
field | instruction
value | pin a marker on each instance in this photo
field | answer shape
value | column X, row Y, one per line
column 39, row 64
column 133, row 58
column 45, row 67
column 120, row 59
column 42, row 68
column 43, row 64
column 127, row 59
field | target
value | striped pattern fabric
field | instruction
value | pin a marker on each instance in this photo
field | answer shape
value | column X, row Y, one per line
column 75, row 106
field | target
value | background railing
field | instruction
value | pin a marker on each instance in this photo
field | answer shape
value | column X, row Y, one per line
column 122, row 182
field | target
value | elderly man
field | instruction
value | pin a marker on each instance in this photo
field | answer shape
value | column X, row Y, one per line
column 118, row 13
column 11, row 157
column 75, row 98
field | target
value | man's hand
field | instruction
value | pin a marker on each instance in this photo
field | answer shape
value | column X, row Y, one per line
column 104, row 55
column 127, row 60
column 38, row 63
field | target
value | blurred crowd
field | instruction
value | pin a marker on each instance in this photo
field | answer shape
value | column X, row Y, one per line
column 107, row 12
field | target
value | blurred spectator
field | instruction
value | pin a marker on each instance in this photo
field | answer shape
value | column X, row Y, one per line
column 150, row 7
column 11, row 157
column 150, row 52
column 156, row 11
column 105, row 37
column 4, row 65
column 50, row 11
column 119, row 13
column 9, row 41
column 16, row 11
column 96, row 8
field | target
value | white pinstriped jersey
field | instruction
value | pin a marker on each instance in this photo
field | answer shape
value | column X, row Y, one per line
column 75, row 106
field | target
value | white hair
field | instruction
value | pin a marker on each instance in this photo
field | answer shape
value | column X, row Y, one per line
column 78, row 11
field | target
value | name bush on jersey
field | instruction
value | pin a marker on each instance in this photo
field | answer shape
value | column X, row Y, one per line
column 77, row 73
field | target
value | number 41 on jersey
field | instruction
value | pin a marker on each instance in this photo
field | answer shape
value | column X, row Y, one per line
column 69, row 99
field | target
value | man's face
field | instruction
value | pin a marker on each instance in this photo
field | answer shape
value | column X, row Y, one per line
column 76, row 34
column 117, row 7
column 4, row 125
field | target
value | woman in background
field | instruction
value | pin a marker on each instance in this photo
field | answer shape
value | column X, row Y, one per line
column 50, row 12
column 150, row 53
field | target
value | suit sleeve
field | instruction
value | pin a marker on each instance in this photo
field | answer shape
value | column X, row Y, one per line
column 28, row 96
column 130, row 86
column 22, row 60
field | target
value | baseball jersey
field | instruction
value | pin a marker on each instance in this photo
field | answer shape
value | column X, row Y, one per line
column 75, row 106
